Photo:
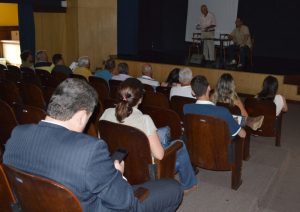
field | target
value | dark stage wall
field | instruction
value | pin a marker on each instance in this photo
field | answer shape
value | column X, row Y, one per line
column 159, row 26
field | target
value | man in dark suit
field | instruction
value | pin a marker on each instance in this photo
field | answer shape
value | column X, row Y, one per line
column 56, row 149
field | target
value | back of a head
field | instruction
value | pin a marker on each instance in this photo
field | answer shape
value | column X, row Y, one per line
column 84, row 61
column 225, row 89
column 147, row 70
column 130, row 93
column 199, row 85
column 185, row 76
column 25, row 54
column 123, row 68
column 173, row 76
column 109, row 64
column 71, row 96
column 57, row 59
column 269, row 88
column 41, row 56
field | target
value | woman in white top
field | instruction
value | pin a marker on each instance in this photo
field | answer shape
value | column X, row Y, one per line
column 269, row 91
column 126, row 112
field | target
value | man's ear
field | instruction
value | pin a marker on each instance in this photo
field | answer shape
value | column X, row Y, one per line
column 193, row 94
column 81, row 118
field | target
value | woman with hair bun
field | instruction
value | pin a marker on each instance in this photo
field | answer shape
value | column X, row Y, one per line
column 130, row 95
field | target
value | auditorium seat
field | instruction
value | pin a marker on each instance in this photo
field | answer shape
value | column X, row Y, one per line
column 210, row 146
column 177, row 103
column 271, row 126
column 164, row 117
column 138, row 161
column 35, row 193
column 156, row 99
column 7, row 198
column 8, row 122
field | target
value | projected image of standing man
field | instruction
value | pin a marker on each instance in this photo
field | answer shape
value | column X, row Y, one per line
column 207, row 26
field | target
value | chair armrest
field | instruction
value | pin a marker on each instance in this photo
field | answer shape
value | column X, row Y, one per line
column 165, row 168
column 141, row 193
column 236, row 175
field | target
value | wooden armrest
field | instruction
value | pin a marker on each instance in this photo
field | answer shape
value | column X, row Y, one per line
column 141, row 193
column 165, row 168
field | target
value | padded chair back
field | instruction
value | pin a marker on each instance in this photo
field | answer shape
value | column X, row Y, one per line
column 271, row 126
column 110, row 103
column 8, row 122
column 113, row 86
column 36, row 193
column 2, row 74
column 27, row 114
column 32, row 95
column 13, row 73
column 148, row 88
column 156, row 99
column 46, row 78
column 78, row 76
column 164, row 90
column 9, row 92
column 6, row 195
column 177, row 103
column 59, row 77
column 233, row 109
column 29, row 76
column 208, row 141
column 101, row 86
column 165, row 117
column 210, row 146
column 135, row 142
column 99, row 80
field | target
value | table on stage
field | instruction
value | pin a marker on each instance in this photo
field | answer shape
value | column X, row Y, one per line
column 200, row 40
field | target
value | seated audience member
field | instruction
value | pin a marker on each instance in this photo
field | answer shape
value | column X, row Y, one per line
column 225, row 93
column 41, row 61
column 78, row 161
column 83, row 67
column 269, row 91
column 203, row 106
column 146, row 77
column 127, row 112
column 241, row 43
column 185, row 77
column 60, row 66
column 123, row 72
column 106, row 73
column 27, row 59
column 173, row 79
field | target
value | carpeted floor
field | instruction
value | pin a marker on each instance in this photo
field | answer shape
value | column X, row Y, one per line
column 271, row 177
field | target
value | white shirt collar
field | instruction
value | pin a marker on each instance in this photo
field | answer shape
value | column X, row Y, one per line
column 204, row 102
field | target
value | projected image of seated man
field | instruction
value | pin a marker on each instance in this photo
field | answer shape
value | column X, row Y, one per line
column 241, row 44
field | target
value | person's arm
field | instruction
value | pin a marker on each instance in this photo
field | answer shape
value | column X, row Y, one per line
column 242, row 133
column 285, row 107
column 246, row 35
column 240, row 104
column 155, row 146
column 104, row 181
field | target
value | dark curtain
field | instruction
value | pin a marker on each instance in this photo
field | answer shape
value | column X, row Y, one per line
column 26, row 25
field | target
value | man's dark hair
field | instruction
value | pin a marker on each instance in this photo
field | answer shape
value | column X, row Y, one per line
column 25, row 54
column 71, row 96
column 56, row 58
column 199, row 85
column 109, row 64
column 123, row 68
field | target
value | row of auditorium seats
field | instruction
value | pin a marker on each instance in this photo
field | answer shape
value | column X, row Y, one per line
column 210, row 137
